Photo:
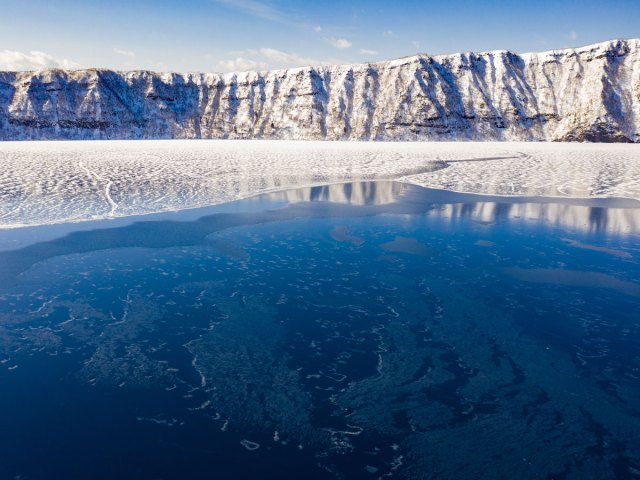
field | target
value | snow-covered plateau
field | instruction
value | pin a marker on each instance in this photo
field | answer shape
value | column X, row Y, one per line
column 46, row 182
column 590, row 93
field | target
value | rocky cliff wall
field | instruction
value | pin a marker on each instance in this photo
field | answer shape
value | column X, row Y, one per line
column 585, row 94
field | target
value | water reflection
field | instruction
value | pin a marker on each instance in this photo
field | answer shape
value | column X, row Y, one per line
column 354, row 193
column 338, row 334
column 587, row 215
column 340, row 200
column 583, row 218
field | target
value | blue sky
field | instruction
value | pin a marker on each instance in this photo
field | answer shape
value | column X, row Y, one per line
column 227, row 35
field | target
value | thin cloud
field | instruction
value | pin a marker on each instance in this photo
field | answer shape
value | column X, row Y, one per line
column 254, row 8
column 264, row 11
column 125, row 53
column 573, row 35
column 288, row 58
column 241, row 64
column 317, row 28
column 388, row 33
column 34, row 60
column 366, row 51
column 340, row 43
column 267, row 58
column 248, row 51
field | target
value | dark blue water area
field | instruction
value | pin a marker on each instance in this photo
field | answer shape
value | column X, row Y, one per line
column 368, row 330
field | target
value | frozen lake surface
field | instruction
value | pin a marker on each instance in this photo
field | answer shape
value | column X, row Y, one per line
column 54, row 182
column 364, row 330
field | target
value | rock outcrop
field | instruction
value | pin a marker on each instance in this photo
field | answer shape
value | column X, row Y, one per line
column 584, row 94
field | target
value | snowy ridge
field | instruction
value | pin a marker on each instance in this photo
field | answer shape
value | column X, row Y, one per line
column 585, row 94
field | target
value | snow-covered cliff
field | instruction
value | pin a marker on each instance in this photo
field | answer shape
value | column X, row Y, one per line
column 585, row 94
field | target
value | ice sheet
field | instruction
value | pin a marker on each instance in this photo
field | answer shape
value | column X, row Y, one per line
column 53, row 182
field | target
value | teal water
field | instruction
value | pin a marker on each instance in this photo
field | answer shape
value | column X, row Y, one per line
column 370, row 330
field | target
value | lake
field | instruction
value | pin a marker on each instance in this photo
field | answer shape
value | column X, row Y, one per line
column 363, row 330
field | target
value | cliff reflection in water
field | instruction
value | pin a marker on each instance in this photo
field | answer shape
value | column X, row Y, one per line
column 380, row 192
column 606, row 216
column 595, row 219
column 586, row 215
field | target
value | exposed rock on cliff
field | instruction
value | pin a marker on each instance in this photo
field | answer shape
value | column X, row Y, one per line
column 585, row 94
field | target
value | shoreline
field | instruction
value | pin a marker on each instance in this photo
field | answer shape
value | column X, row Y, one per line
column 595, row 201
column 622, row 214
column 44, row 183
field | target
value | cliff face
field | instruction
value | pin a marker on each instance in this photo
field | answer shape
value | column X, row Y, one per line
column 584, row 94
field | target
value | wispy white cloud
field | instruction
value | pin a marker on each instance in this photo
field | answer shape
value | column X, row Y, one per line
column 341, row 43
column 366, row 51
column 268, row 58
column 573, row 35
column 288, row 58
column 388, row 33
column 266, row 11
column 254, row 8
column 125, row 53
column 34, row 60
column 160, row 67
column 248, row 51
column 241, row 64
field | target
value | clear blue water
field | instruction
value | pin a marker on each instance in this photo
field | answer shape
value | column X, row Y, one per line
column 356, row 331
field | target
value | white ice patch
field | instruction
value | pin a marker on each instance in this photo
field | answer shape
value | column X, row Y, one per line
column 55, row 182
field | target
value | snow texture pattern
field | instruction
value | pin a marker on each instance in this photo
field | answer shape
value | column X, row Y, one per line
column 584, row 94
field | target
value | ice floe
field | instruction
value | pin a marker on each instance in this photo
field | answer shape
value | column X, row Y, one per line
column 56, row 182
